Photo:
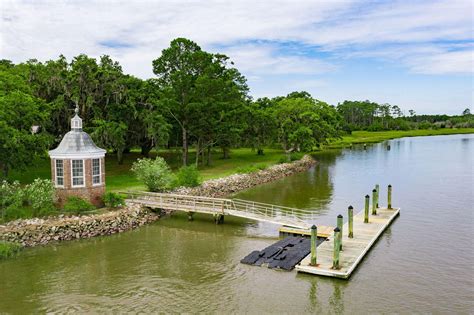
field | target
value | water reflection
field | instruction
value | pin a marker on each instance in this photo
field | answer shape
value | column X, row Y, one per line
column 312, row 190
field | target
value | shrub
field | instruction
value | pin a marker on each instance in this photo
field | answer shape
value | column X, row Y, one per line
column 296, row 156
column 77, row 205
column 10, row 194
column 8, row 249
column 40, row 195
column 155, row 174
column 113, row 200
column 251, row 168
column 188, row 176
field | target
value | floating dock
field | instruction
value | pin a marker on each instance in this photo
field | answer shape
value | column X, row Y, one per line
column 353, row 249
column 284, row 254
column 323, row 231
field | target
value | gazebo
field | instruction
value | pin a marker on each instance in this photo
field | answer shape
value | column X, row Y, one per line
column 77, row 166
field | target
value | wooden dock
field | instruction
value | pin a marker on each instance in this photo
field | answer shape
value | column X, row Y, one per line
column 353, row 249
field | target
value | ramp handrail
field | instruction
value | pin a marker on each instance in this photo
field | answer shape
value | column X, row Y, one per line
column 237, row 207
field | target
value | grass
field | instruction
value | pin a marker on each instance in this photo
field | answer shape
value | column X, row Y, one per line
column 119, row 177
column 8, row 249
column 243, row 160
column 359, row 137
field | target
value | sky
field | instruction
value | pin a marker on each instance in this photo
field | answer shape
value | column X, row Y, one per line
column 415, row 54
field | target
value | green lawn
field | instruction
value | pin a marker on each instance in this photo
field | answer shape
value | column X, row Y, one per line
column 119, row 177
column 358, row 137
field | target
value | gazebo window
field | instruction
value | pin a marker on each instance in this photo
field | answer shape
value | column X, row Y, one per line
column 95, row 171
column 77, row 173
column 59, row 173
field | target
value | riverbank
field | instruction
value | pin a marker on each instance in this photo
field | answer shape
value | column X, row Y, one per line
column 226, row 186
column 361, row 137
column 33, row 232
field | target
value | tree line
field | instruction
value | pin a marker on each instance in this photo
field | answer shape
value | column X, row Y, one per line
column 197, row 100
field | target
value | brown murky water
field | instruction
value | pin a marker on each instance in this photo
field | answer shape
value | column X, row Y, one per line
column 423, row 263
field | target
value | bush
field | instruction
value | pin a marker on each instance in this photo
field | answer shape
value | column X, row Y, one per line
column 188, row 176
column 251, row 168
column 11, row 196
column 8, row 249
column 40, row 195
column 77, row 205
column 155, row 174
column 295, row 156
column 113, row 200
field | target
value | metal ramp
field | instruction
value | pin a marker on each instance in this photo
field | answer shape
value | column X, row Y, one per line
column 258, row 211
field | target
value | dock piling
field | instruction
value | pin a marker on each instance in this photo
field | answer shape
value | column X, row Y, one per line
column 335, row 261
column 374, row 202
column 366, row 210
column 350, row 215
column 389, row 197
column 339, row 225
column 314, row 237
column 377, row 188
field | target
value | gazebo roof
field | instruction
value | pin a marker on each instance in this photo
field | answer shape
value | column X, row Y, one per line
column 76, row 143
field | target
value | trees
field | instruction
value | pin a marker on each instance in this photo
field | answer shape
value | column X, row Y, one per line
column 261, row 125
column 466, row 112
column 193, row 81
column 19, row 111
column 303, row 124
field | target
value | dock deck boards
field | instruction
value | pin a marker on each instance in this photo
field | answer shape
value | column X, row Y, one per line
column 354, row 249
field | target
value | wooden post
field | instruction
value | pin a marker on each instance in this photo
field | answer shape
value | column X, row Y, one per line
column 374, row 205
column 377, row 188
column 314, row 238
column 337, row 246
column 366, row 211
column 365, row 146
column 350, row 215
column 339, row 225
column 389, row 197
column 190, row 215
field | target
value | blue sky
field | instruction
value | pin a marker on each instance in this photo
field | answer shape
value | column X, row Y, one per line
column 416, row 54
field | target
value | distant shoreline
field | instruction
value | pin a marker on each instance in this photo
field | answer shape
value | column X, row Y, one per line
column 361, row 137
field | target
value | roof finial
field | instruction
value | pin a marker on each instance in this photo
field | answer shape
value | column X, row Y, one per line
column 76, row 110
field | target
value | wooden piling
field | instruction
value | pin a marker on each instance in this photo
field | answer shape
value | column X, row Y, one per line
column 366, row 210
column 374, row 202
column 339, row 225
column 314, row 238
column 389, row 197
column 377, row 188
column 350, row 215
column 337, row 246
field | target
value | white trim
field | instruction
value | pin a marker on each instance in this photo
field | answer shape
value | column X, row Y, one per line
column 83, row 174
column 100, row 172
column 77, row 156
column 56, row 173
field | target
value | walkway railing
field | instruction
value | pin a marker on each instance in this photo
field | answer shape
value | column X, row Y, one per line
column 237, row 207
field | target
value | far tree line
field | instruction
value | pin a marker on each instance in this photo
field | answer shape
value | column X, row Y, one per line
column 197, row 100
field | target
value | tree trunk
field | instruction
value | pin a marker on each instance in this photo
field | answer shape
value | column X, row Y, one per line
column 146, row 148
column 5, row 171
column 260, row 151
column 120, row 156
column 225, row 150
column 185, row 147
column 208, row 163
column 198, row 151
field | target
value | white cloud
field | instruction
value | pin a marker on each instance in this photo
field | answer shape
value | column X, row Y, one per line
column 429, row 37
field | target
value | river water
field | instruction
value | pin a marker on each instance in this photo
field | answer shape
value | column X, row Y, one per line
column 423, row 263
